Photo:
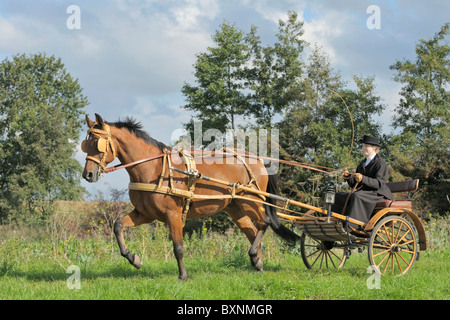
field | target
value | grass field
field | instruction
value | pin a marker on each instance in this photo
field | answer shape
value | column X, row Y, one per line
column 33, row 265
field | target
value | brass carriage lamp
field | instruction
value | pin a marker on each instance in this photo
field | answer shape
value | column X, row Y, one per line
column 329, row 200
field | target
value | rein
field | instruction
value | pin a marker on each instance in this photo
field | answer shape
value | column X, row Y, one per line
column 122, row 166
column 292, row 163
column 310, row 166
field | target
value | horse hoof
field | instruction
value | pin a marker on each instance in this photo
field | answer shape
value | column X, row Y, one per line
column 183, row 277
column 137, row 262
column 258, row 265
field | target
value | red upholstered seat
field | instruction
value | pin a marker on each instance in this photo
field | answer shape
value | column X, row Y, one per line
column 383, row 204
column 403, row 204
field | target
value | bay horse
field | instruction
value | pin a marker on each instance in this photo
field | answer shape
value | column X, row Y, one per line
column 129, row 143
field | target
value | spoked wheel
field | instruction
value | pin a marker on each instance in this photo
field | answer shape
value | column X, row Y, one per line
column 320, row 255
column 392, row 246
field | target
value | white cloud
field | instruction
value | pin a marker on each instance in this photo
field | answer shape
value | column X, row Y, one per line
column 15, row 37
column 136, row 47
column 322, row 32
column 8, row 33
column 143, row 106
column 88, row 47
column 190, row 15
column 149, row 50
column 275, row 11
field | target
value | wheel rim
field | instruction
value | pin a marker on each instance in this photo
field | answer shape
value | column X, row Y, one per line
column 319, row 255
column 392, row 247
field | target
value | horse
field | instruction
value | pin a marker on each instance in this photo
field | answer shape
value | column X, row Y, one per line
column 127, row 141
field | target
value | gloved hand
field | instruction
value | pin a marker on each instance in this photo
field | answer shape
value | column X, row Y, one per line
column 358, row 177
column 345, row 174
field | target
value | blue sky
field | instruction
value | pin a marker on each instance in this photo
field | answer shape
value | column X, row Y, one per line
column 132, row 57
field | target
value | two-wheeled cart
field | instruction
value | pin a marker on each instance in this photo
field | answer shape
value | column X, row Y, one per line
column 393, row 236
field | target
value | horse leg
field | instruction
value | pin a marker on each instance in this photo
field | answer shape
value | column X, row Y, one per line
column 176, row 232
column 245, row 224
column 255, row 249
column 253, row 212
column 133, row 219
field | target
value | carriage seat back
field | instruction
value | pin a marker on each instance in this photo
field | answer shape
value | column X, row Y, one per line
column 403, row 186
column 397, row 187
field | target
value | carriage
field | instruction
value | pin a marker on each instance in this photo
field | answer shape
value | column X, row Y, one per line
column 172, row 191
column 393, row 236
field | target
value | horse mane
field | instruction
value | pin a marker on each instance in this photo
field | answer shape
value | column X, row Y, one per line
column 135, row 127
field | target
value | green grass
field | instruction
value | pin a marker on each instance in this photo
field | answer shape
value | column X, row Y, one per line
column 34, row 267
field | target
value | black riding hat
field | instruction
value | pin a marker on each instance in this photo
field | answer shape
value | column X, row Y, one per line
column 371, row 140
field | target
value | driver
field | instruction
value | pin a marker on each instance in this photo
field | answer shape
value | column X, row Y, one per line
column 370, row 182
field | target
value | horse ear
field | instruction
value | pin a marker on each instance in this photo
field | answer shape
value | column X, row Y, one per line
column 99, row 119
column 89, row 122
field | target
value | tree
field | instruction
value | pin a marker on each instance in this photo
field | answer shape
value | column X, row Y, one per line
column 40, row 109
column 424, row 106
column 241, row 78
column 219, row 95
column 275, row 75
column 422, row 148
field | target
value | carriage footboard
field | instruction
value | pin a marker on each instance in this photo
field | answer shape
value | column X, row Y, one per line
column 327, row 231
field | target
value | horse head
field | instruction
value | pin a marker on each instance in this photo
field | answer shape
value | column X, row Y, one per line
column 99, row 147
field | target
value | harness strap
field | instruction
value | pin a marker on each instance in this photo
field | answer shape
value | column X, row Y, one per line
column 191, row 181
column 93, row 159
column 169, row 162
column 138, row 186
column 253, row 181
column 163, row 170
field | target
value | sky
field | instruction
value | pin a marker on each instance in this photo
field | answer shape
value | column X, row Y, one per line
column 133, row 57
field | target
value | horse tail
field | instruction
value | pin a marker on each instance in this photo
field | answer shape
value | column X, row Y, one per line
column 271, row 212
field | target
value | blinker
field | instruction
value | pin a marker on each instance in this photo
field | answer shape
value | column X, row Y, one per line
column 101, row 145
column 84, row 146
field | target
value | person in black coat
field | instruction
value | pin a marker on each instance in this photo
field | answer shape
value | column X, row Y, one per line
column 371, row 175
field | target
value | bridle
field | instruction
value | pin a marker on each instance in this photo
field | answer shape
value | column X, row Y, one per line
column 103, row 144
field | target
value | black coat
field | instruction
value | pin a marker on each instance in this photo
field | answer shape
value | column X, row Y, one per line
column 375, row 176
column 369, row 191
